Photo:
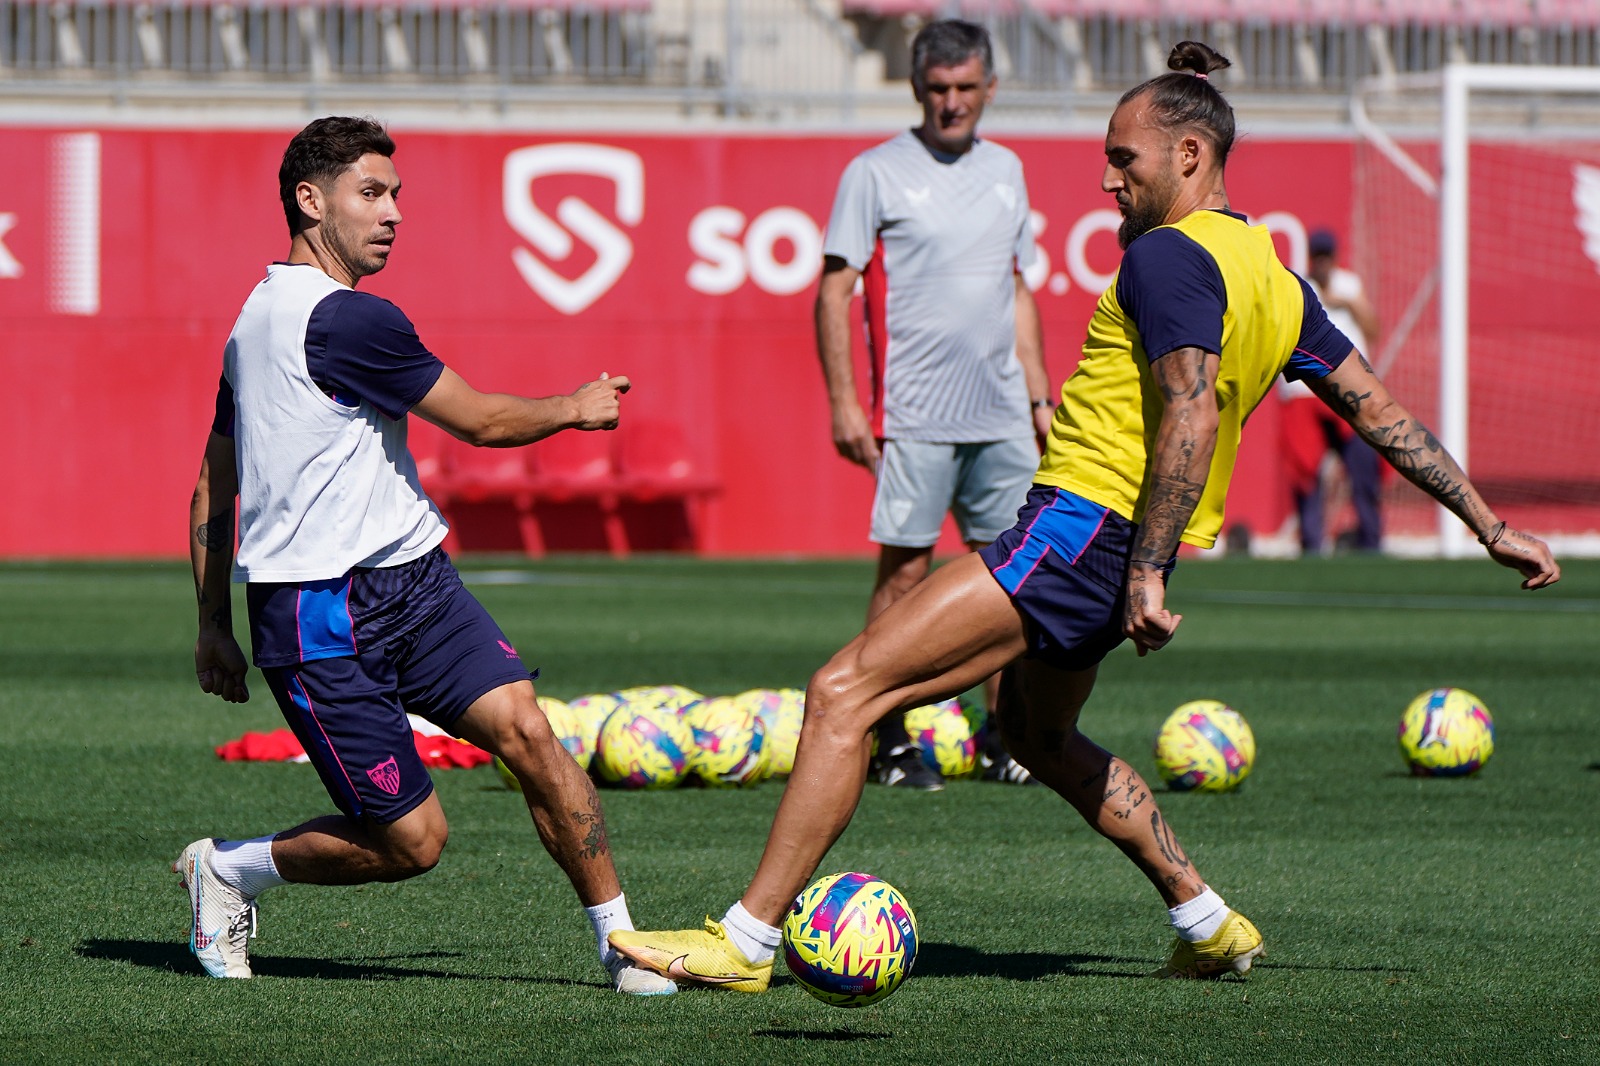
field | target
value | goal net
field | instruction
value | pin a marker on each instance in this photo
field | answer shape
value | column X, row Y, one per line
column 1477, row 232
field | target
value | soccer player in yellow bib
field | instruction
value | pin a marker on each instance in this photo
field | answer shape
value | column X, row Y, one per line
column 1200, row 321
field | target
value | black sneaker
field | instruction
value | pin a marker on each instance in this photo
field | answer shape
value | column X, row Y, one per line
column 1007, row 771
column 903, row 768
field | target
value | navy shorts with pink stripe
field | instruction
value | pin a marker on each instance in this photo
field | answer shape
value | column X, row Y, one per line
column 1065, row 565
column 348, row 659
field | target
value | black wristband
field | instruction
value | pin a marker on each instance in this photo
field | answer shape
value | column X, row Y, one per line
column 1493, row 536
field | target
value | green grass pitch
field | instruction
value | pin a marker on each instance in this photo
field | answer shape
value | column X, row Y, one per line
column 1407, row 920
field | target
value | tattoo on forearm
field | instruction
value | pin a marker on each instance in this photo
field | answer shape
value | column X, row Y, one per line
column 217, row 532
column 1181, row 463
column 1412, row 449
column 595, row 844
column 1406, row 444
column 221, row 615
column 1173, row 499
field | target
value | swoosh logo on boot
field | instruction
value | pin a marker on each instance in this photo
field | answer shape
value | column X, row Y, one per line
column 676, row 968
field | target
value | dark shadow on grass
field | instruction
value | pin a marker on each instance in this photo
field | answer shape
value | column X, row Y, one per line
column 958, row 960
column 841, row 1035
column 1594, row 767
column 175, row 958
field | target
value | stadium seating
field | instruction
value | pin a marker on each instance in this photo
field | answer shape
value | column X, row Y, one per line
column 792, row 47
column 606, row 472
column 653, row 465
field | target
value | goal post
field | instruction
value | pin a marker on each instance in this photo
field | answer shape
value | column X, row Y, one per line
column 1477, row 227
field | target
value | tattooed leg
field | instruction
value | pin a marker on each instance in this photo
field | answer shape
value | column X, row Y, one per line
column 1105, row 790
column 561, row 798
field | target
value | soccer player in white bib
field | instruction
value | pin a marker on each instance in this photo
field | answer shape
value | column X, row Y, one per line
column 935, row 225
column 357, row 616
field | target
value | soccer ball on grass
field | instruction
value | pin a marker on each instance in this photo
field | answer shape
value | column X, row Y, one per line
column 782, row 712
column 730, row 747
column 1205, row 746
column 644, row 747
column 591, row 712
column 944, row 736
column 850, row 939
column 1447, row 732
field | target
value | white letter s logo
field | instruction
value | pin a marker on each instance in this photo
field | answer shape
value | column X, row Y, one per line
column 613, row 249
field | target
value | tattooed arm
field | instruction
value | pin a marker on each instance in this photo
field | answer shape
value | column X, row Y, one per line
column 1179, row 466
column 218, row 662
column 1355, row 394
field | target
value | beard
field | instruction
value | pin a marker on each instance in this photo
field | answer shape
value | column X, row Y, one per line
column 1141, row 220
column 350, row 247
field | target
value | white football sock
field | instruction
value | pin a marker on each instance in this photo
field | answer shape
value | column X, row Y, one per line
column 604, row 918
column 1200, row 917
column 247, row 865
column 755, row 939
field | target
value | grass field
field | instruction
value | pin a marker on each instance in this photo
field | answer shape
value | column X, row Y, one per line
column 1407, row 920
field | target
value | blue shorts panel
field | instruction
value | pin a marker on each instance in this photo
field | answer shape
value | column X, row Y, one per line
column 1065, row 565
column 298, row 621
column 349, row 712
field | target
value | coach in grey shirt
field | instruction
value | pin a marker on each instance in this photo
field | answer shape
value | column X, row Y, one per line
column 935, row 225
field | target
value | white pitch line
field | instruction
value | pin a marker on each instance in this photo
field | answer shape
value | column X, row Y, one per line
column 1529, row 602
column 654, row 584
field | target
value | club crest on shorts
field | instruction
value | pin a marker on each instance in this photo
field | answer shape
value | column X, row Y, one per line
column 386, row 775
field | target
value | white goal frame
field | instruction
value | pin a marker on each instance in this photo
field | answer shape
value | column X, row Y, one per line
column 1455, row 83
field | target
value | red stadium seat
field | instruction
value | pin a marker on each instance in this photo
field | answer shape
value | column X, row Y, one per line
column 469, row 475
column 574, row 465
column 654, row 464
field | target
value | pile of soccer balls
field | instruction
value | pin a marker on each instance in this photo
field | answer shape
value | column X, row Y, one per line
column 660, row 736
column 1207, row 746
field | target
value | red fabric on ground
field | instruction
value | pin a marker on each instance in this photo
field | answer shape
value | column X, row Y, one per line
column 280, row 745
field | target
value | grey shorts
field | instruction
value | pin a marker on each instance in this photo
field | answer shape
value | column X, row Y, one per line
column 983, row 485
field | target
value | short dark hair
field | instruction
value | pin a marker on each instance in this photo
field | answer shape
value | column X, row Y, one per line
column 1181, row 100
column 949, row 43
column 321, row 152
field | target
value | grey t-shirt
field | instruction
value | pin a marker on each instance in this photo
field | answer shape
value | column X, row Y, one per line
column 938, row 240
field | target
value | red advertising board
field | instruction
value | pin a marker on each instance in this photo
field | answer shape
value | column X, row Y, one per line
column 530, row 263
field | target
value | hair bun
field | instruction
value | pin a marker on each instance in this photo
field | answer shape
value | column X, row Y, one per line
column 1196, row 58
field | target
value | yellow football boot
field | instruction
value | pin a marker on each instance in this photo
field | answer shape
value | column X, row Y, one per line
column 701, row 957
column 1232, row 949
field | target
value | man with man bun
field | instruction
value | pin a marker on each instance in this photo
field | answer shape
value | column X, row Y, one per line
column 1200, row 321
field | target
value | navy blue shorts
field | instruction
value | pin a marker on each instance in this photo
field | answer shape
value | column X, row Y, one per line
column 1065, row 565
column 349, row 712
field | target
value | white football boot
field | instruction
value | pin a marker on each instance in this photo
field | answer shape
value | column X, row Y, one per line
column 222, row 919
column 634, row 980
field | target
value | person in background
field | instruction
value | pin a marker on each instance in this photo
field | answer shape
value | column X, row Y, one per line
column 1310, row 430
column 935, row 225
